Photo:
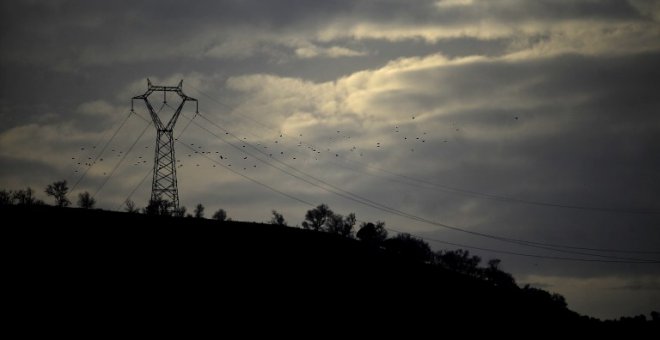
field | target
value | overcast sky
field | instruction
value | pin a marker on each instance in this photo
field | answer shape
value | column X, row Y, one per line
column 529, row 120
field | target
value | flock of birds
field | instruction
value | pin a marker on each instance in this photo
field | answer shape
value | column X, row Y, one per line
column 241, row 154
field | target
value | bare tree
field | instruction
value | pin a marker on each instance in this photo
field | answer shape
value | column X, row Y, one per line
column 59, row 190
column 179, row 212
column 130, row 207
column 24, row 197
column 5, row 197
column 278, row 219
column 199, row 211
column 85, row 200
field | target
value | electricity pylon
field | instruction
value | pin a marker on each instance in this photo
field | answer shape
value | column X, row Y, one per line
column 164, row 186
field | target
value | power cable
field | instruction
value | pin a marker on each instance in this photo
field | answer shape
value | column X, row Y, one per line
column 102, row 151
column 124, row 156
column 365, row 201
column 474, row 193
column 121, row 161
column 574, row 259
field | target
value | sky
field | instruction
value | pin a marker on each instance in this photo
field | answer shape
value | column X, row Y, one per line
column 526, row 130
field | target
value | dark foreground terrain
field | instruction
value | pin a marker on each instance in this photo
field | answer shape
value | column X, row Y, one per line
column 72, row 269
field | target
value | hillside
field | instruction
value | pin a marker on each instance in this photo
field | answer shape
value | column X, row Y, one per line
column 98, row 261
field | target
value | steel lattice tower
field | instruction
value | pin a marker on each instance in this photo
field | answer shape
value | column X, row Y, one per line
column 164, row 185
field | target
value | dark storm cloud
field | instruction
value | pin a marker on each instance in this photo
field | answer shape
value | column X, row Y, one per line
column 79, row 33
column 608, row 134
column 56, row 48
column 69, row 34
column 550, row 10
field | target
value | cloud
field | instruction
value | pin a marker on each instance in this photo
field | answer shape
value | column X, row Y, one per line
column 97, row 108
column 648, row 9
column 312, row 51
column 210, row 29
column 38, row 143
column 453, row 3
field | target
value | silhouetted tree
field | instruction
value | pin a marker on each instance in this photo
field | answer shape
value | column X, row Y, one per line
column 220, row 215
column 543, row 297
column 25, row 197
column 460, row 261
column 410, row 246
column 559, row 300
column 494, row 264
column 199, row 211
column 5, row 197
column 278, row 219
column 655, row 316
column 130, row 207
column 58, row 190
column 343, row 226
column 316, row 218
column 372, row 233
column 498, row 277
column 158, row 206
column 85, row 200
column 179, row 212
column 334, row 223
column 637, row 320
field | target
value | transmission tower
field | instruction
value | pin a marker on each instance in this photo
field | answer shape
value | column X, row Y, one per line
column 164, row 185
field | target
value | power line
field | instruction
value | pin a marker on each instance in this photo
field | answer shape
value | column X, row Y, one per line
column 252, row 179
column 474, row 193
column 136, row 187
column 227, row 168
column 478, row 194
column 255, row 157
column 376, row 205
column 615, row 258
column 574, row 259
column 612, row 260
column 518, row 200
column 121, row 160
column 102, row 151
column 606, row 250
column 229, row 107
column 365, row 201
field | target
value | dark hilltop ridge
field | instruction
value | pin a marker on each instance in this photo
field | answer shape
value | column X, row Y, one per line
column 95, row 267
